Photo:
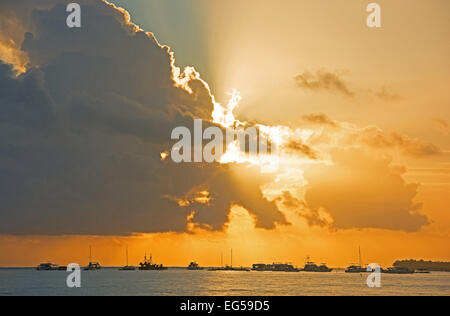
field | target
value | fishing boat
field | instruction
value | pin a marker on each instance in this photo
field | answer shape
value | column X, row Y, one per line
column 92, row 266
column 356, row 268
column 127, row 267
column 147, row 265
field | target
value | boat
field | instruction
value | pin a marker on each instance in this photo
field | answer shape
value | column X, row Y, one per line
column 398, row 270
column 356, row 268
column 312, row 267
column 259, row 267
column 127, row 267
column 193, row 266
column 422, row 271
column 230, row 267
column 50, row 267
column 92, row 266
column 147, row 265
column 275, row 267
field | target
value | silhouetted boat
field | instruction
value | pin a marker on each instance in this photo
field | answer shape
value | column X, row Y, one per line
column 356, row 268
column 422, row 271
column 275, row 267
column 50, row 267
column 149, row 266
column 193, row 266
column 127, row 267
column 398, row 270
column 312, row 267
column 92, row 266
column 230, row 267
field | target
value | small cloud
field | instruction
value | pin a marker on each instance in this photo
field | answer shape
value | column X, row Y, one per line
column 320, row 119
column 442, row 125
column 377, row 138
column 301, row 148
column 323, row 80
column 386, row 94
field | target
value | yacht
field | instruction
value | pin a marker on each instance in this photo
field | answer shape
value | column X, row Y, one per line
column 50, row 267
column 312, row 267
column 193, row 266
column 92, row 266
column 398, row 270
column 230, row 267
column 356, row 268
column 275, row 267
column 127, row 267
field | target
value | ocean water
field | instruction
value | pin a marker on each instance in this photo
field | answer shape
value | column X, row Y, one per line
column 196, row 283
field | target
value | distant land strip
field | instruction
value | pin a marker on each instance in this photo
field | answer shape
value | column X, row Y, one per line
column 423, row 265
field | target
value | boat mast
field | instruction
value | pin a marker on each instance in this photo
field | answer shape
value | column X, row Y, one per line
column 231, row 257
column 360, row 260
column 127, row 256
column 90, row 254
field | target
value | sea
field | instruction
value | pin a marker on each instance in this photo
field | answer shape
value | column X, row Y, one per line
column 181, row 282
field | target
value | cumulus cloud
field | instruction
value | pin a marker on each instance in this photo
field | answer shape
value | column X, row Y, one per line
column 83, row 128
column 81, row 131
column 323, row 80
column 359, row 191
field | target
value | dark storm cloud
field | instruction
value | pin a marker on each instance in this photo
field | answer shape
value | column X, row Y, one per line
column 82, row 130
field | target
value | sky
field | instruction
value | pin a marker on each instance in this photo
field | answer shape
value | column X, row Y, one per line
column 361, row 116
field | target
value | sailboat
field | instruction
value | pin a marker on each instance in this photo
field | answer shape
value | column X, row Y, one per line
column 92, row 265
column 127, row 267
column 356, row 268
column 230, row 267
